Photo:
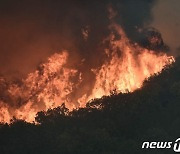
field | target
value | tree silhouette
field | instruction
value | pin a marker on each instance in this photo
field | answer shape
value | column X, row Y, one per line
column 113, row 124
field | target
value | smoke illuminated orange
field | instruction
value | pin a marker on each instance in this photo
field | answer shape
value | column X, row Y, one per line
column 125, row 68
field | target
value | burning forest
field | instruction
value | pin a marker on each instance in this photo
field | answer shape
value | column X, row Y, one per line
column 125, row 66
column 121, row 66
column 89, row 76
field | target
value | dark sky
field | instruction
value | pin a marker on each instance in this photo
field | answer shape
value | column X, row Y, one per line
column 32, row 30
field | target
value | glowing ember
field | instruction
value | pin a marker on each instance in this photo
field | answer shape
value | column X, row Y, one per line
column 125, row 68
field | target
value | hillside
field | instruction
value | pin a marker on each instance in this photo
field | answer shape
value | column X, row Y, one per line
column 114, row 124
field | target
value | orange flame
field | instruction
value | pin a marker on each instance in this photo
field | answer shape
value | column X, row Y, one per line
column 126, row 67
column 127, row 72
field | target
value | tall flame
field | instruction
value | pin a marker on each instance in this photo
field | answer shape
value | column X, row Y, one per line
column 126, row 66
column 126, row 73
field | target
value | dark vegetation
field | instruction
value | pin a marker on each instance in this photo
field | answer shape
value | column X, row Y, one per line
column 120, row 126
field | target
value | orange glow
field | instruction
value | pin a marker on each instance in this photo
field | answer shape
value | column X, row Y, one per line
column 126, row 67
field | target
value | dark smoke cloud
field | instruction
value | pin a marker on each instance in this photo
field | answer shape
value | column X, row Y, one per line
column 134, row 14
column 31, row 30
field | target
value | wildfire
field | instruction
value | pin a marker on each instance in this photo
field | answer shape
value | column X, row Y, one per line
column 125, row 68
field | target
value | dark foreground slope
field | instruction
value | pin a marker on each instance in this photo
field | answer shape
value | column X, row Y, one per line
column 120, row 126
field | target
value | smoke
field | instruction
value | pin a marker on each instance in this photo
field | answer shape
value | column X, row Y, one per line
column 74, row 51
column 31, row 30
column 166, row 18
